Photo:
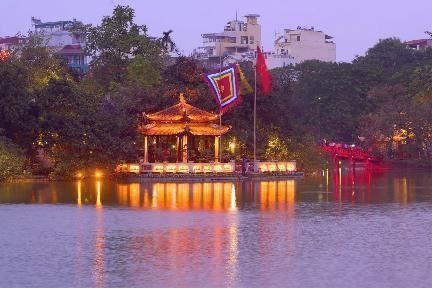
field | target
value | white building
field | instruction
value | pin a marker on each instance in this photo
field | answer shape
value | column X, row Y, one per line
column 69, row 46
column 306, row 44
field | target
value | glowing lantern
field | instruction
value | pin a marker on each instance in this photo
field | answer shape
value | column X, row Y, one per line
column 291, row 167
column 158, row 169
column 217, row 168
column 282, row 167
column 207, row 169
column 263, row 168
column 183, row 169
column 134, row 168
column 197, row 169
column 227, row 168
column 272, row 167
column 171, row 169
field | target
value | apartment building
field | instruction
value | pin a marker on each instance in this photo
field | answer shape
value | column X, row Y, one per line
column 304, row 44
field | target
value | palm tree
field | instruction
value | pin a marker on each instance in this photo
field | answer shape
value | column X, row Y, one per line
column 167, row 42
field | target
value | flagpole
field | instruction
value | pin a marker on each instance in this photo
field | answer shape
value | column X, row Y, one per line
column 254, row 127
column 220, row 112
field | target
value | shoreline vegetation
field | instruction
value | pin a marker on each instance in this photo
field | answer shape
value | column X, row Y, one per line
column 55, row 121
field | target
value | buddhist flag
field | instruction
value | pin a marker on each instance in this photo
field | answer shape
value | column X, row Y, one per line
column 245, row 88
column 263, row 73
column 224, row 85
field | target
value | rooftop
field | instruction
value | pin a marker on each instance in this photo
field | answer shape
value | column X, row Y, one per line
column 71, row 49
column 181, row 113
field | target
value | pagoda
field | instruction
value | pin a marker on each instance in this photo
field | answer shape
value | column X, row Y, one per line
column 182, row 133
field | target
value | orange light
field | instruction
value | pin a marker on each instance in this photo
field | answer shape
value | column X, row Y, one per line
column 291, row 167
column 207, row 169
column 217, row 168
column 171, row 168
column 158, row 168
column 263, row 168
column 183, row 169
column 227, row 168
column 98, row 174
column 134, row 168
column 4, row 54
column 272, row 167
column 197, row 169
column 282, row 167
column 79, row 175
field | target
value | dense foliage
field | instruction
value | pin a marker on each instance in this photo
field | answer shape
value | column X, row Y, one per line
column 12, row 162
column 88, row 121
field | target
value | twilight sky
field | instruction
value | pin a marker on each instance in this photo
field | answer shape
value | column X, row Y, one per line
column 355, row 24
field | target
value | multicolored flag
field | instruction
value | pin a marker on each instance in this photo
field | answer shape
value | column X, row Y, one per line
column 263, row 73
column 224, row 85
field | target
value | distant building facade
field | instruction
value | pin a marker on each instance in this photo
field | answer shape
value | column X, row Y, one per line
column 9, row 43
column 68, row 45
column 304, row 44
column 420, row 44
column 237, row 42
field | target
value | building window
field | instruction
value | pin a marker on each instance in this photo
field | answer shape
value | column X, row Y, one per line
column 251, row 39
column 244, row 40
column 298, row 37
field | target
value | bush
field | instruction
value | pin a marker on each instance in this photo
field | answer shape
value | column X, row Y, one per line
column 12, row 162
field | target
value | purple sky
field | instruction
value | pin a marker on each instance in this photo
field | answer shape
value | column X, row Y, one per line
column 356, row 24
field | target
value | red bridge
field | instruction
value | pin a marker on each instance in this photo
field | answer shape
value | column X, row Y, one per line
column 353, row 154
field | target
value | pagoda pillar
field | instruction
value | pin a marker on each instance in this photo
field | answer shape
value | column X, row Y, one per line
column 145, row 149
column 185, row 149
column 216, row 144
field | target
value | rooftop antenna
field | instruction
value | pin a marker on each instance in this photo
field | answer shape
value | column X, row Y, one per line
column 236, row 16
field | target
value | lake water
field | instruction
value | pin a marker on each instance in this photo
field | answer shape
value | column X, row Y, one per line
column 357, row 230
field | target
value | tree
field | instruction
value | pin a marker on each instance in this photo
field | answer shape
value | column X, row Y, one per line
column 329, row 99
column 116, row 42
column 17, row 117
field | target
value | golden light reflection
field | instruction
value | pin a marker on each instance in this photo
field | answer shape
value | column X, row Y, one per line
column 277, row 196
column 135, row 195
column 233, row 204
column 404, row 190
column 79, row 202
column 215, row 196
column 99, row 261
column 98, row 195
column 327, row 180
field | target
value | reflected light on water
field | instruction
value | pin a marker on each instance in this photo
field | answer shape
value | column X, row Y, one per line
column 98, row 195
column 99, row 261
column 79, row 202
column 237, row 234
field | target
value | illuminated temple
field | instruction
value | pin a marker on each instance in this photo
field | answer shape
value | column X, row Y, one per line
column 183, row 139
column 182, row 134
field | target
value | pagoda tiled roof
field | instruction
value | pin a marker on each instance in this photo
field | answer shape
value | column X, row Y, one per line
column 182, row 112
column 197, row 129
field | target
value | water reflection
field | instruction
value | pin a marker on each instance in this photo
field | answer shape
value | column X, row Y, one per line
column 341, row 185
column 219, row 234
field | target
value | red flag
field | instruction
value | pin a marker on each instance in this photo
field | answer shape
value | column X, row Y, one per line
column 264, row 74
